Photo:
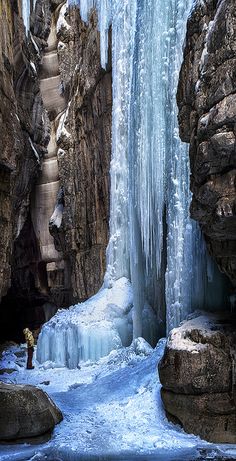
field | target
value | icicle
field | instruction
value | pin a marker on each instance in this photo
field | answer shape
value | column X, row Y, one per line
column 123, row 30
column 26, row 14
column 153, row 242
column 26, row 11
column 104, row 11
column 92, row 329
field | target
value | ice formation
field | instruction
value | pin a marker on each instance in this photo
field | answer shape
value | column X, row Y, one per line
column 91, row 330
column 26, row 14
column 105, row 13
column 26, row 11
column 153, row 242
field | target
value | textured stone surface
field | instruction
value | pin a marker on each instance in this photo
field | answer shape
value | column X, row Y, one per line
column 65, row 190
column 26, row 411
column 198, row 376
column 84, row 157
column 211, row 416
column 207, row 115
column 21, row 131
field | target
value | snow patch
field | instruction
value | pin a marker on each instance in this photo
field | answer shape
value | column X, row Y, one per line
column 32, row 65
column 62, row 23
column 34, row 150
column 61, row 130
column 56, row 217
column 35, row 44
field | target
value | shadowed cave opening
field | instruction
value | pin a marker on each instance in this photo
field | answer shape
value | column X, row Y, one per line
column 29, row 301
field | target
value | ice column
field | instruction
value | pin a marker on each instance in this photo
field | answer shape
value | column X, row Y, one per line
column 123, row 33
column 26, row 14
column 26, row 11
column 181, row 259
column 153, row 243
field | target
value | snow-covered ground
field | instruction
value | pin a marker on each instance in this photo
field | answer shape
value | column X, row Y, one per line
column 112, row 411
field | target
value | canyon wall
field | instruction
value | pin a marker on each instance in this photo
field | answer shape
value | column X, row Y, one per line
column 23, row 136
column 84, row 154
column 55, row 121
column 207, row 116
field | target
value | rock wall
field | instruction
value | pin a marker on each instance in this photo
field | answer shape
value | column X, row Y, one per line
column 207, row 115
column 54, row 164
column 23, row 134
column 84, row 153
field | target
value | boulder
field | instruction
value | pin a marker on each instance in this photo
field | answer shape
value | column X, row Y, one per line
column 26, row 411
column 198, row 376
column 211, row 416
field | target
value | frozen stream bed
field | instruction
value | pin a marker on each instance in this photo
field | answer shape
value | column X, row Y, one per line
column 112, row 411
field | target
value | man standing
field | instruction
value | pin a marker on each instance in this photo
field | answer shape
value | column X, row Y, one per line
column 29, row 339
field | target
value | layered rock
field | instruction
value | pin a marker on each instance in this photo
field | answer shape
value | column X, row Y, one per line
column 207, row 115
column 23, row 134
column 198, row 376
column 44, row 197
column 84, row 141
column 54, row 165
column 16, row 132
column 26, row 411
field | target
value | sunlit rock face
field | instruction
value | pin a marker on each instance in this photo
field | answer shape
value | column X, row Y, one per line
column 207, row 116
column 44, row 198
column 70, row 201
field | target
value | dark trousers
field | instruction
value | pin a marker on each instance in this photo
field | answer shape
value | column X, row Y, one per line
column 30, row 351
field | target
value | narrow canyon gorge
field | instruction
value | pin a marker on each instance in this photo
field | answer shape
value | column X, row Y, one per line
column 118, row 229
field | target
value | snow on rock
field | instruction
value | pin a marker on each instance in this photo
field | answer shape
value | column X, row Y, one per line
column 32, row 65
column 61, row 130
column 56, row 217
column 35, row 45
column 34, row 150
column 62, row 23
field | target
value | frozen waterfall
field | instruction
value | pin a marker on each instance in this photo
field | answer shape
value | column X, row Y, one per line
column 26, row 11
column 153, row 243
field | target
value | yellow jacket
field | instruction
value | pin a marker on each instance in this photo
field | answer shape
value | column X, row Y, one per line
column 28, row 337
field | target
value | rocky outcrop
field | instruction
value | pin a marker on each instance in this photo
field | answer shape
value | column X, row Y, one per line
column 207, row 115
column 84, row 142
column 198, row 376
column 26, row 411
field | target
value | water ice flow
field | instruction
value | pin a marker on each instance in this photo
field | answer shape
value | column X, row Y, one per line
column 153, row 243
